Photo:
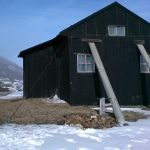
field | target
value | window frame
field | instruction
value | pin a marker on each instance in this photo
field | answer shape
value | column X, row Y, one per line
column 85, row 63
column 144, row 63
column 116, row 27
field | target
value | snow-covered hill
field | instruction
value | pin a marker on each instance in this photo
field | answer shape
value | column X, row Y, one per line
column 10, row 77
column 11, row 85
column 10, row 70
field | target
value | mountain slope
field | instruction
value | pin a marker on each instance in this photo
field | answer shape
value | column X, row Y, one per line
column 10, row 77
column 10, row 70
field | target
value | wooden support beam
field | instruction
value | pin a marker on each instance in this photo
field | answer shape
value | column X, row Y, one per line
column 91, row 40
column 144, row 53
column 106, row 83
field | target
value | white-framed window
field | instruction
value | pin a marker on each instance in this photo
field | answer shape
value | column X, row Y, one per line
column 116, row 30
column 85, row 63
column 144, row 68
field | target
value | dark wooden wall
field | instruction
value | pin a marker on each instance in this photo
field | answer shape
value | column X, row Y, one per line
column 38, row 70
column 120, row 56
column 46, row 72
column 53, row 68
column 63, row 75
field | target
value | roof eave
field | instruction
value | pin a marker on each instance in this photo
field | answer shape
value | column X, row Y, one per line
column 28, row 50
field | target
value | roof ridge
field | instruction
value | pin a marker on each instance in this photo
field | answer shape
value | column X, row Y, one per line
column 115, row 3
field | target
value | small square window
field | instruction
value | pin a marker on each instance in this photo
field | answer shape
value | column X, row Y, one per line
column 81, row 59
column 81, row 68
column 85, row 63
column 121, row 31
column 144, row 68
column 116, row 30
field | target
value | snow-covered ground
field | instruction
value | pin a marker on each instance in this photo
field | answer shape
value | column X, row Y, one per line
column 54, row 137
column 14, row 89
column 13, row 86
column 13, row 95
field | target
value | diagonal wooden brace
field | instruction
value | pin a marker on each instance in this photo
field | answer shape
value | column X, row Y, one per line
column 106, row 83
column 144, row 53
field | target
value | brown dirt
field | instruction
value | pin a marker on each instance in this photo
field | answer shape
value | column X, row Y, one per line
column 133, row 116
column 39, row 111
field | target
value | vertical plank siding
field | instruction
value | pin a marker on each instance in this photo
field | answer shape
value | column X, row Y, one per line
column 120, row 56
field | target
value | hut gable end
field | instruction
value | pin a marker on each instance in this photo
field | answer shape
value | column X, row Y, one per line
column 65, row 65
column 114, row 14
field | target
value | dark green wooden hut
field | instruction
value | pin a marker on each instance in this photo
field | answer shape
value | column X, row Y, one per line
column 65, row 66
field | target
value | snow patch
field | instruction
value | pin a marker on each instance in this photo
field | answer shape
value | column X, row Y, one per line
column 14, row 95
column 54, row 137
column 55, row 99
column 14, row 88
column 109, row 109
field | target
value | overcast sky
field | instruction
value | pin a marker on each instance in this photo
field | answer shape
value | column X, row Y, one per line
column 25, row 23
